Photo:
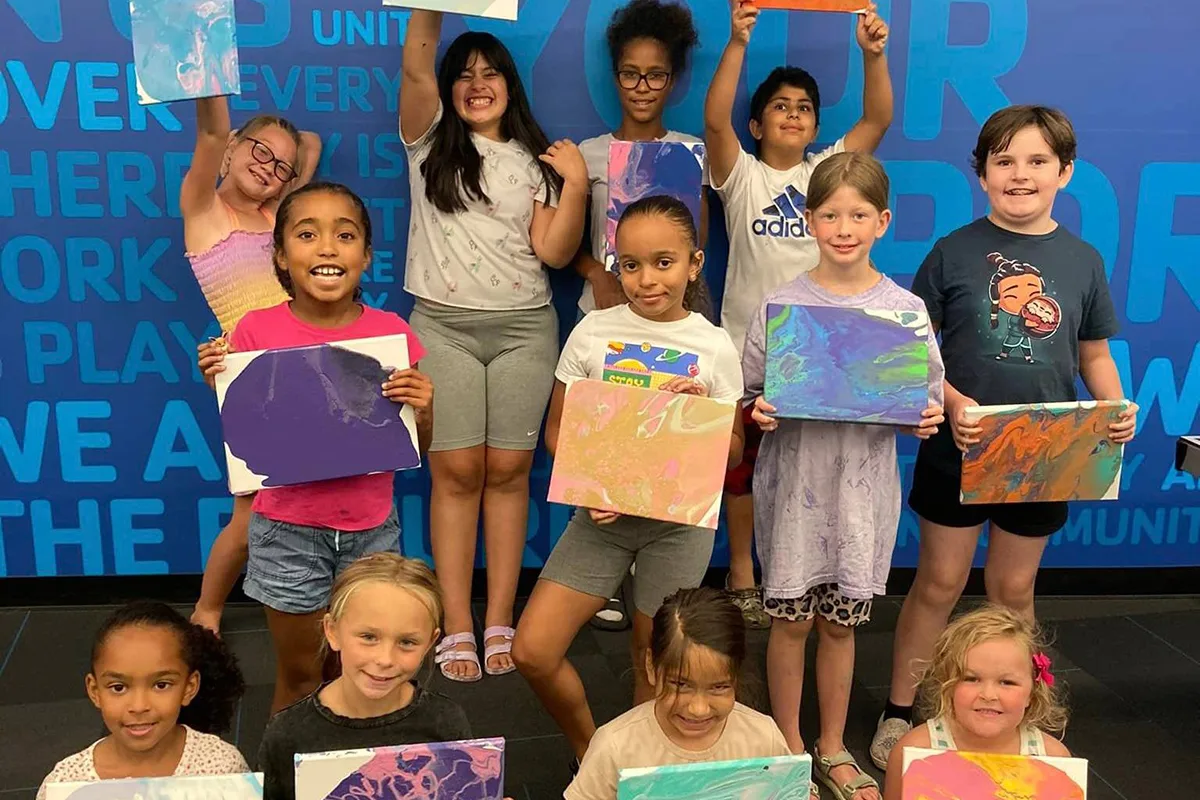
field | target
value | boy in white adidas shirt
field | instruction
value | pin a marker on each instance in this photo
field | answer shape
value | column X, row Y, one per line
column 763, row 196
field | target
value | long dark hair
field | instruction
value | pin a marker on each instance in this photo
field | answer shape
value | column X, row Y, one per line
column 285, row 211
column 702, row 616
column 696, row 297
column 453, row 169
column 221, row 682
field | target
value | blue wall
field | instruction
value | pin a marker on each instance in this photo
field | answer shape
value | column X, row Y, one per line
column 110, row 442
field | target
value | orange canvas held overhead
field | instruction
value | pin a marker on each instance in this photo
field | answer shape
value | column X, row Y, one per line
column 852, row 6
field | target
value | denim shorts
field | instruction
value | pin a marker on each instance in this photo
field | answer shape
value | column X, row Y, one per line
column 292, row 567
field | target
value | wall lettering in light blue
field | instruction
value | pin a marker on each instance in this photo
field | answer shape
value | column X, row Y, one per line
column 177, row 422
column 24, row 458
column 971, row 70
column 41, row 279
column 92, row 98
column 369, row 27
column 47, row 538
column 126, row 537
column 1177, row 403
column 1156, row 250
column 8, row 509
column 73, row 440
column 212, row 513
column 950, row 191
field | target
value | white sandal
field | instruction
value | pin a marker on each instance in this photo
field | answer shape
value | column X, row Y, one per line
column 445, row 654
column 504, row 648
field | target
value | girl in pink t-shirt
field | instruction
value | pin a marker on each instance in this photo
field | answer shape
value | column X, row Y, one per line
column 302, row 536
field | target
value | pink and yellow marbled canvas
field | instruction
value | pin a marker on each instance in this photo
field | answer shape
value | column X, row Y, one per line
column 955, row 775
column 642, row 452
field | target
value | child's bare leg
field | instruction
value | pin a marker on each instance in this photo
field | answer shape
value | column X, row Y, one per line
column 225, row 565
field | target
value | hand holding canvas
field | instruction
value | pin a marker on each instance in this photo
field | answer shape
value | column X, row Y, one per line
column 412, row 387
column 1123, row 430
column 210, row 359
column 872, row 32
column 745, row 14
column 965, row 433
column 930, row 419
column 760, row 415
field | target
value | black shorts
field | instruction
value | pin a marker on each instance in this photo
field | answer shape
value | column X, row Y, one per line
column 935, row 493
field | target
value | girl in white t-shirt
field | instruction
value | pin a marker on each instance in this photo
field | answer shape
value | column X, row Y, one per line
column 660, row 272
column 695, row 656
column 165, row 688
column 486, row 216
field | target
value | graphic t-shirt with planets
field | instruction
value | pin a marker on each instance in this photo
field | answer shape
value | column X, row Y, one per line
column 1012, row 309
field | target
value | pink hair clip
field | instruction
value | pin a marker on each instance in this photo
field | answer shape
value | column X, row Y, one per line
column 1041, row 669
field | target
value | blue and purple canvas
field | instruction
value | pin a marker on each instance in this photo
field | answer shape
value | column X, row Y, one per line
column 303, row 414
column 780, row 778
column 245, row 786
column 465, row 770
column 184, row 49
column 644, row 169
column 847, row 364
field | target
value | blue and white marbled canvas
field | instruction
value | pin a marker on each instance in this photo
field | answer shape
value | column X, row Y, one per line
column 782, row 778
column 184, row 49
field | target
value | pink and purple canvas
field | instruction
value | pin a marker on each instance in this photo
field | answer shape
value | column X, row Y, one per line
column 847, row 364
column 643, row 169
column 1042, row 452
column 303, row 414
column 642, row 452
column 464, row 770
column 957, row 775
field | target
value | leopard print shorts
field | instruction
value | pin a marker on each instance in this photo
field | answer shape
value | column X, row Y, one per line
column 825, row 600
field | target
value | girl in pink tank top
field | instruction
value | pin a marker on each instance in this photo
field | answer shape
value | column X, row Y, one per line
column 228, row 200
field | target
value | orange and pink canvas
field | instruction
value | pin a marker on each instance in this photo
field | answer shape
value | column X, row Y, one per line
column 642, row 452
column 853, row 6
column 957, row 775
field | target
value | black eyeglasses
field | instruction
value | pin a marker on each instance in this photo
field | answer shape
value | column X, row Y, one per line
column 265, row 155
column 655, row 81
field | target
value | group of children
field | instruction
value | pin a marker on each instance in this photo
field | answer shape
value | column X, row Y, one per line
column 492, row 202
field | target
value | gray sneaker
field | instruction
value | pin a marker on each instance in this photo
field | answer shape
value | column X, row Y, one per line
column 887, row 733
column 749, row 602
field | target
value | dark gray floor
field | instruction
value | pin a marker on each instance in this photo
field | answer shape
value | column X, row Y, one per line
column 1132, row 666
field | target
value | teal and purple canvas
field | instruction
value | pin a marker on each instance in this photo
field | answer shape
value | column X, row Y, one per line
column 303, row 414
column 847, row 364
column 466, row 770
column 644, row 169
column 246, row 786
column 781, row 778
column 184, row 49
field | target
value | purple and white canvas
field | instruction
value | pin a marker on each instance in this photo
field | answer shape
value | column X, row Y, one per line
column 303, row 414
column 644, row 169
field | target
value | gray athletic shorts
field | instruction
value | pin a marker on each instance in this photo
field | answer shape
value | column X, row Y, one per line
column 594, row 559
column 492, row 373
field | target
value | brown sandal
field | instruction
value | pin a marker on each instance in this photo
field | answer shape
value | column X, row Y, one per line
column 824, row 765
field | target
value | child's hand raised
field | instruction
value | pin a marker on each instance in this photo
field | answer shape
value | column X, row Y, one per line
column 412, row 387
column 682, row 385
column 966, row 433
column 744, row 15
column 210, row 359
column 872, row 32
column 602, row 517
column 760, row 414
column 1123, row 430
column 931, row 418
column 565, row 159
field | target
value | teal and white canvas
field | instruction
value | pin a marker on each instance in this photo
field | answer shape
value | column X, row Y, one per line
column 781, row 778
column 245, row 786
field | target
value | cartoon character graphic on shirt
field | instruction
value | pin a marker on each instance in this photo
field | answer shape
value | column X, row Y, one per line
column 646, row 365
column 1018, row 289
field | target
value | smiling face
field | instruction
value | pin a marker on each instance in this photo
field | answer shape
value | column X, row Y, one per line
column 1022, row 181
column 991, row 697
column 644, row 80
column 789, row 121
column 692, row 706
column 656, row 261
column 480, row 95
column 1017, row 290
column 383, row 635
column 846, row 226
column 324, row 249
column 255, row 179
column 139, row 682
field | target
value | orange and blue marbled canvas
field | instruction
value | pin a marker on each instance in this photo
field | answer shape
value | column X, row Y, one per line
column 814, row 5
column 645, row 169
column 245, row 786
column 465, row 770
column 184, row 49
column 1041, row 452
column 956, row 775
column 847, row 364
column 781, row 778
column 642, row 452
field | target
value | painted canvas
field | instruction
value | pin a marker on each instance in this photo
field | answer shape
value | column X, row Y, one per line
column 854, row 6
column 1187, row 455
column 643, row 169
column 782, row 778
column 953, row 774
column 496, row 9
column 1042, row 452
column 247, row 786
column 642, row 452
column 647, row 365
column 330, row 393
column 847, row 364
column 466, row 770
column 184, row 49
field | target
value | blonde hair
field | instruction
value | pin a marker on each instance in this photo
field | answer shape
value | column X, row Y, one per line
column 859, row 171
column 949, row 663
column 409, row 574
